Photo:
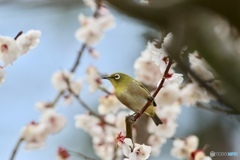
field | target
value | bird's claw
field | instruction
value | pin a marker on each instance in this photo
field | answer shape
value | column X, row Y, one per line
column 150, row 98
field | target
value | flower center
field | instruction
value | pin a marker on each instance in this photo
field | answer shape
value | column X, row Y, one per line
column 4, row 48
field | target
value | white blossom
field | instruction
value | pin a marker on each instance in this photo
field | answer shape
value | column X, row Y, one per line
column 173, row 79
column 42, row 106
column 140, row 152
column 192, row 93
column 89, row 123
column 29, row 40
column 60, row 78
column 9, row 50
column 167, row 40
column 67, row 99
column 168, row 95
column 109, row 104
column 2, row 75
column 34, row 135
column 146, row 70
column 145, row 2
column 156, row 142
column 178, row 149
column 182, row 148
column 106, row 20
column 53, row 121
column 169, row 112
column 76, row 86
column 160, row 55
column 93, row 78
column 90, row 3
column 166, row 130
column 200, row 67
column 199, row 155
column 192, row 142
column 92, row 29
column 93, row 53
column 106, row 151
column 120, row 120
column 89, row 32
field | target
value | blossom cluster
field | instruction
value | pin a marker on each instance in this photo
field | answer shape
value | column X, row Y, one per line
column 12, row 48
column 34, row 134
column 103, row 130
column 149, row 69
column 187, row 149
column 132, row 151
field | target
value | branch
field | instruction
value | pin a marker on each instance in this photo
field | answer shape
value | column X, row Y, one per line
column 191, row 14
column 15, row 149
column 56, row 99
column 77, row 61
column 130, row 120
column 138, row 114
column 19, row 34
column 81, row 155
column 217, row 109
column 104, row 90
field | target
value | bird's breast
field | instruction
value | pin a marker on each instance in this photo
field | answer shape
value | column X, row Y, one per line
column 133, row 101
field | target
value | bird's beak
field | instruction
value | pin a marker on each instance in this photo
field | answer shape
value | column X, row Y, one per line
column 105, row 77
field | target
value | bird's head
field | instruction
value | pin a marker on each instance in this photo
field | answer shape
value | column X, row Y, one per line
column 118, row 79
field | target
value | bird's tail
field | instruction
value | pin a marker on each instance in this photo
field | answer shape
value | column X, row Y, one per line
column 156, row 119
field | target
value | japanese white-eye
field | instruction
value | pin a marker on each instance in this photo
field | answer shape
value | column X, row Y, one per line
column 132, row 94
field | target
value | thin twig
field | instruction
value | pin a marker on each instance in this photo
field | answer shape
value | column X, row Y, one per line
column 81, row 155
column 73, row 69
column 138, row 114
column 104, row 90
column 217, row 109
column 77, row 61
column 84, row 46
column 56, row 99
column 87, row 107
column 19, row 34
column 91, row 111
column 15, row 149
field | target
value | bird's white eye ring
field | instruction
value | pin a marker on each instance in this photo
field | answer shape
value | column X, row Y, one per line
column 116, row 76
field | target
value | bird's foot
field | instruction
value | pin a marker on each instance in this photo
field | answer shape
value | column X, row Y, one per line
column 150, row 98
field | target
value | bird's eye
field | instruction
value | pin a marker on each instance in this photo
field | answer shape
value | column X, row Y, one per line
column 116, row 76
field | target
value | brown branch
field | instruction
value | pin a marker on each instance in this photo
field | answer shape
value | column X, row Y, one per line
column 91, row 111
column 81, row 155
column 58, row 96
column 19, row 34
column 56, row 99
column 130, row 120
column 138, row 114
column 84, row 46
column 87, row 107
column 15, row 149
column 77, row 61
column 104, row 90
column 216, row 109
column 129, row 123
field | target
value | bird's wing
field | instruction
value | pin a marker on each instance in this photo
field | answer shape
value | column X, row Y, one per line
column 147, row 91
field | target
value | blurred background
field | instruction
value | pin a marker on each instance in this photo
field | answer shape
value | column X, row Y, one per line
column 27, row 81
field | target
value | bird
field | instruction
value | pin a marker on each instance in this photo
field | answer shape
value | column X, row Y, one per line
column 133, row 94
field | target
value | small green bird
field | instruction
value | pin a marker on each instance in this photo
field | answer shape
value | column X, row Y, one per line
column 132, row 94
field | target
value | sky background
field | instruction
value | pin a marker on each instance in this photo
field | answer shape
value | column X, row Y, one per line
column 27, row 81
